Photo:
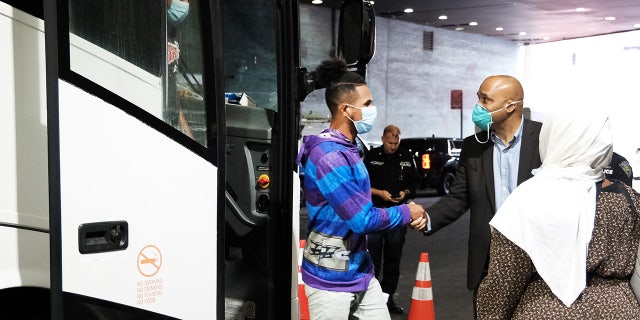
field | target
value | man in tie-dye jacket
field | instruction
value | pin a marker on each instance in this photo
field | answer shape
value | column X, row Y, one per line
column 337, row 269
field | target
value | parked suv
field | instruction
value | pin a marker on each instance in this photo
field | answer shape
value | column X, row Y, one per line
column 437, row 160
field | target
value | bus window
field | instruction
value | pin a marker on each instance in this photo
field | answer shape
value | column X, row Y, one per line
column 185, row 108
column 250, row 52
column 147, row 52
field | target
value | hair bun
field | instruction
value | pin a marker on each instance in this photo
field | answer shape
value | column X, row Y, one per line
column 329, row 71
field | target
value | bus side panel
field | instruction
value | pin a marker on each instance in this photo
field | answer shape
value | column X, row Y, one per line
column 24, row 198
column 25, row 259
column 115, row 168
column 23, row 132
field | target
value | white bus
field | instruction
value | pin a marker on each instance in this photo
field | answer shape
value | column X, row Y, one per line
column 147, row 165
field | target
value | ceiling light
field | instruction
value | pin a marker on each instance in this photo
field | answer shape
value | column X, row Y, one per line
column 499, row 29
column 459, row 28
column 581, row 9
column 546, row 38
column 522, row 33
column 408, row 10
column 473, row 23
column 610, row 18
column 316, row 1
column 443, row 17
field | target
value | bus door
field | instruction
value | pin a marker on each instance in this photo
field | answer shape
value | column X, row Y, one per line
column 260, row 67
column 264, row 85
column 135, row 191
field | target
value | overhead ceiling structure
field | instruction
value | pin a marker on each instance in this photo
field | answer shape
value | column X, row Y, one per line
column 524, row 22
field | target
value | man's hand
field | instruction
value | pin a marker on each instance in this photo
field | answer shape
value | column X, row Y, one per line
column 386, row 196
column 418, row 216
column 403, row 194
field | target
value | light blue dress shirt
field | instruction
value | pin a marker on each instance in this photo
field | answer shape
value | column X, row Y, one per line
column 505, row 165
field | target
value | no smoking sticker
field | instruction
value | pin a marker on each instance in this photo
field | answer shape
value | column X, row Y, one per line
column 149, row 261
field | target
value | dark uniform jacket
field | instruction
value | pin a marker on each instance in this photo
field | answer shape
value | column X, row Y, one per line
column 473, row 188
column 392, row 172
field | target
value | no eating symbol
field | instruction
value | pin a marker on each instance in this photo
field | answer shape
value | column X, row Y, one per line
column 149, row 261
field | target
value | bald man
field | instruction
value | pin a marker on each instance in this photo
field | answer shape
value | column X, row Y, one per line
column 492, row 163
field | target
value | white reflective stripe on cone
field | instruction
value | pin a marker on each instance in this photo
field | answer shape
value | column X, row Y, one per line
column 424, row 272
column 422, row 294
column 301, row 251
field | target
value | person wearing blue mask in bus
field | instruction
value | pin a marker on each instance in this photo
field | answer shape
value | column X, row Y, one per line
column 177, row 12
column 337, row 269
column 493, row 162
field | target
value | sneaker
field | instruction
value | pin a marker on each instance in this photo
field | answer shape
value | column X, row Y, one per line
column 393, row 308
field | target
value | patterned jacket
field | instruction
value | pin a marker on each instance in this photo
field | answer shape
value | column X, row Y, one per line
column 341, row 214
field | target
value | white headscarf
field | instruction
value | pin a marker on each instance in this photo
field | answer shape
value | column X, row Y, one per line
column 551, row 215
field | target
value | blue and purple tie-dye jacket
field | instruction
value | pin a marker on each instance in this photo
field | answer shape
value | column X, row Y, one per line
column 341, row 214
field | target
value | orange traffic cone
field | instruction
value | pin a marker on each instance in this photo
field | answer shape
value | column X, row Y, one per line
column 302, row 296
column 422, row 297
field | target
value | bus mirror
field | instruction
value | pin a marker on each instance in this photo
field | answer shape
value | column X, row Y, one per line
column 356, row 42
column 357, row 34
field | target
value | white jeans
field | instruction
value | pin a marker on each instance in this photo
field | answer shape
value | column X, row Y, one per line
column 370, row 304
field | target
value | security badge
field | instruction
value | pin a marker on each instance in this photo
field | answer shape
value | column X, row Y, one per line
column 626, row 167
column 405, row 164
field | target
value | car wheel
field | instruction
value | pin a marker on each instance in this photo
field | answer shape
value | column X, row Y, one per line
column 445, row 183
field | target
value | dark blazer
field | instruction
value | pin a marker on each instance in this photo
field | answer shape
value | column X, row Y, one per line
column 473, row 188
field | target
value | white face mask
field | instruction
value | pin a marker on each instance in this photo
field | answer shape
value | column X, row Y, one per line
column 369, row 115
column 178, row 11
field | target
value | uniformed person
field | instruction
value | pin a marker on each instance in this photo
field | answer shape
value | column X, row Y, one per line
column 619, row 169
column 394, row 179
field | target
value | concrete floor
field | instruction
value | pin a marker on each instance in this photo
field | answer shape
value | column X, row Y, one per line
column 447, row 250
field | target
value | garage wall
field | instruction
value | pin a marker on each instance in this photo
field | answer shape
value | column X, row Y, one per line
column 596, row 72
column 411, row 86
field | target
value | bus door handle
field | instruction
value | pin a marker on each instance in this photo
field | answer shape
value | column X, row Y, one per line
column 103, row 236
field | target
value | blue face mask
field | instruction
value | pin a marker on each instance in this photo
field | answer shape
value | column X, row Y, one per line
column 178, row 11
column 482, row 118
column 369, row 115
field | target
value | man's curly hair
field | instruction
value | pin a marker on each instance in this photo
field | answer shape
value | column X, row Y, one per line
column 340, row 83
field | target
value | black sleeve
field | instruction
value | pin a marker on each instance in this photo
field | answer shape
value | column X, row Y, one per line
column 453, row 205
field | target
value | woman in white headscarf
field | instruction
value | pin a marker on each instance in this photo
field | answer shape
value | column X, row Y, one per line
column 564, row 243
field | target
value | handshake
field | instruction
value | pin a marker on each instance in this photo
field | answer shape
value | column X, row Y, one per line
column 418, row 216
